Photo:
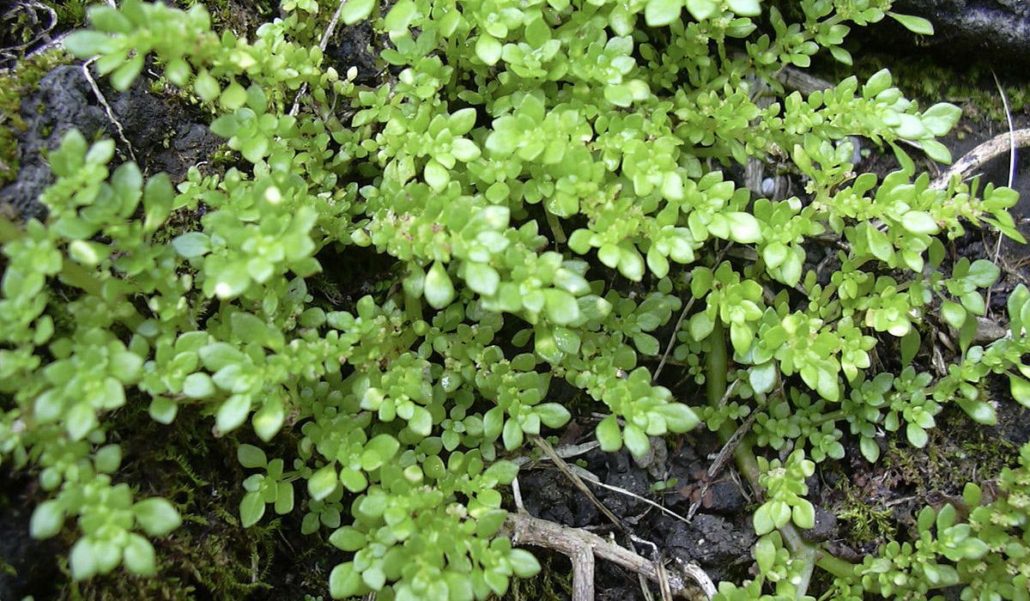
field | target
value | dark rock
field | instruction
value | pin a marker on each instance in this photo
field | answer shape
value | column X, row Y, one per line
column 353, row 47
column 724, row 497
column 625, row 474
column 61, row 103
column 550, row 496
column 30, row 565
column 990, row 29
column 161, row 131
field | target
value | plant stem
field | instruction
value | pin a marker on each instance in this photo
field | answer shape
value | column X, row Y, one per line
column 716, row 367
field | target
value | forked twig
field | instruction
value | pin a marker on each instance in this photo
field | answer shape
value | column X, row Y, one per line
column 581, row 546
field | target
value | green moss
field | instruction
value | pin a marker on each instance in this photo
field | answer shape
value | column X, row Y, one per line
column 553, row 583
column 70, row 13
column 15, row 85
column 864, row 522
column 210, row 556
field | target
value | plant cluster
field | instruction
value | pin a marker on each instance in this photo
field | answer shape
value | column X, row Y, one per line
column 551, row 182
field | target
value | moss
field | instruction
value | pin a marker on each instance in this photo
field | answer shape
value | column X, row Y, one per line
column 15, row 85
column 864, row 522
column 70, row 13
column 553, row 583
column 210, row 556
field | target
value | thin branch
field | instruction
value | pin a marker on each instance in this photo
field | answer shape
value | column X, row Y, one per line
column 564, row 451
column 721, row 459
column 591, row 478
column 107, row 107
column 672, row 339
column 577, row 480
column 326, row 36
column 577, row 543
column 1012, row 165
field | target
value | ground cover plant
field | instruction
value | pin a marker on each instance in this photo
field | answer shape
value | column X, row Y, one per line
column 550, row 191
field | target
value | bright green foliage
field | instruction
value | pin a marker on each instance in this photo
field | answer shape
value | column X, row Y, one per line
column 984, row 548
column 522, row 167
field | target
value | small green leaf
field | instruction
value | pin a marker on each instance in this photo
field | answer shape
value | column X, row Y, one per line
column 323, row 482
column 678, row 417
column 636, row 440
column 156, row 516
column 702, row 9
column 356, row 10
column 482, row 278
column 746, row 8
column 139, row 556
column 488, row 49
column 232, row 413
column 85, row 43
column 252, row 508
column 953, row 313
column 345, row 581
column 400, row 16
column 919, row 222
column 47, row 520
column 251, row 457
column 378, row 451
column 353, row 480
column 562, row 308
column 659, row 13
column 912, row 23
column 192, row 244
column 916, row 435
column 763, row 521
column 83, row 559
column 348, row 539
column 1020, row 390
column 437, row 176
column 744, row 228
column 523, row 563
column 512, row 435
column 553, row 415
column 206, row 87
column 870, row 450
column 198, row 386
column 608, row 434
column 804, row 514
column 438, row 289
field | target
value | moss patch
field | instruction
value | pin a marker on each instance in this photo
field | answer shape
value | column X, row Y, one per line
column 15, row 85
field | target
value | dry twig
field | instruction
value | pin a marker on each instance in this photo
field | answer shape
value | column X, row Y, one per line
column 581, row 547
column 107, row 107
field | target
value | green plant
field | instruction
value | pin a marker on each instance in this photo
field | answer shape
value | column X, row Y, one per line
column 518, row 159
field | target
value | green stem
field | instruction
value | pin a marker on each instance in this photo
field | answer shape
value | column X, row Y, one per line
column 556, row 229
column 716, row 367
